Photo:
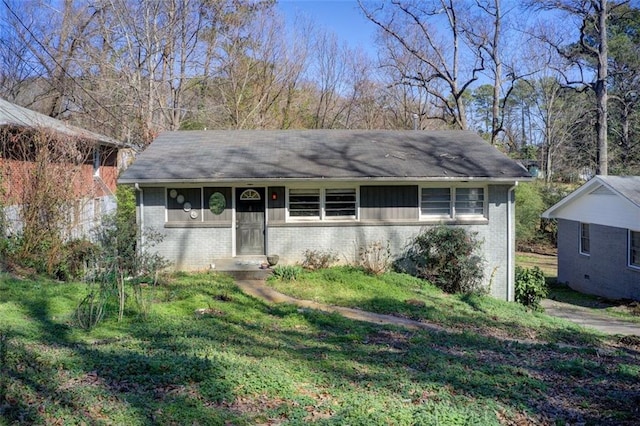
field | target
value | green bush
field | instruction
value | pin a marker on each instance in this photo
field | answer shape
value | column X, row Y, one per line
column 447, row 257
column 529, row 207
column 77, row 254
column 531, row 286
column 287, row 272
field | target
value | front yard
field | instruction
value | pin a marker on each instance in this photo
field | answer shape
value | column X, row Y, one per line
column 205, row 353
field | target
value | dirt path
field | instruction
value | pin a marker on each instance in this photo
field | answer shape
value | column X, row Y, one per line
column 258, row 289
column 582, row 316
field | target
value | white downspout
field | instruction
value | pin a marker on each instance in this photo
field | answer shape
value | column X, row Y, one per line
column 137, row 186
column 510, row 243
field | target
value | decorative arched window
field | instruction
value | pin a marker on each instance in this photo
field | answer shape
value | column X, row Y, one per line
column 250, row 195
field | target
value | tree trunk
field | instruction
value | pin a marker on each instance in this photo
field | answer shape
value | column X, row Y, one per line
column 601, row 92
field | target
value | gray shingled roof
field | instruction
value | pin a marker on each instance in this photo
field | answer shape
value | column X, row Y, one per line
column 200, row 156
column 14, row 115
column 627, row 186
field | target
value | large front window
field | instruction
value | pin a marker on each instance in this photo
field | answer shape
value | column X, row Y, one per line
column 316, row 203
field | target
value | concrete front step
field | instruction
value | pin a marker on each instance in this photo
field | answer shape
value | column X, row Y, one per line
column 243, row 267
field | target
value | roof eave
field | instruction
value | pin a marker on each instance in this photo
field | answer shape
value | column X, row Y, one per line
column 504, row 180
column 549, row 213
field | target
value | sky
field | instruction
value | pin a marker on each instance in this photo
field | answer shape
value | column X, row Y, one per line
column 342, row 17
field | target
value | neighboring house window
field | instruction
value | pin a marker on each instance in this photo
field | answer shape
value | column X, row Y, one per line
column 452, row 202
column 634, row 248
column 96, row 161
column 304, row 203
column 340, row 202
column 584, row 239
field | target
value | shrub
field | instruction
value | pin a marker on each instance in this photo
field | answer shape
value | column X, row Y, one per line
column 287, row 272
column 75, row 260
column 374, row 258
column 446, row 257
column 317, row 259
column 531, row 286
column 529, row 207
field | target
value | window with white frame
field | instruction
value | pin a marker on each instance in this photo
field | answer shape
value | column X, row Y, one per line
column 634, row 248
column 304, row 203
column 584, row 239
column 456, row 202
column 436, row 202
column 340, row 202
column 316, row 203
column 469, row 201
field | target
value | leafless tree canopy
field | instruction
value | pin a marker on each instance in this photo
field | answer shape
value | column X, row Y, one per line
column 134, row 68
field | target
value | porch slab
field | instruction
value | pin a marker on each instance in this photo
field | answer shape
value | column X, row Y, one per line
column 243, row 267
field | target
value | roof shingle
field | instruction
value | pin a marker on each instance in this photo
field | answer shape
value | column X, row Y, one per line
column 217, row 155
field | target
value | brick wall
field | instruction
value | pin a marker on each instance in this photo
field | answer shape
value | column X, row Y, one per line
column 192, row 248
column 605, row 271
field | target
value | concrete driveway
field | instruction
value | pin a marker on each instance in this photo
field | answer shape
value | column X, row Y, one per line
column 590, row 318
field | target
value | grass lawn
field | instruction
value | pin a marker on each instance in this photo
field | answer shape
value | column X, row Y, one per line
column 207, row 354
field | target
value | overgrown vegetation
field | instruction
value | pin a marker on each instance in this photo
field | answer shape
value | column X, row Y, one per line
column 532, row 199
column 287, row 272
column 43, row 168
column 245, row 362
column 530, row 287
column 119, row 262
column 447, row 257
column 318, row 259
column 374, row 258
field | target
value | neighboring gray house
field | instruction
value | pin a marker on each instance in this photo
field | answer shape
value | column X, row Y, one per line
column 229, row 194
column 599, row 237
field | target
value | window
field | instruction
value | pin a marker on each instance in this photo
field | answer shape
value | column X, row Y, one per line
column 304, row 203
column 340, row 202
column 469, row 201
column 217, row 203
column 96, row 161
column 250, row 195
column 436, row 202
column 584, row 238
column 321, row 204
column 634, row 248
column 452, row 202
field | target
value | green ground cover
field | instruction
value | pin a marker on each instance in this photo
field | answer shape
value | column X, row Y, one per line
column 402, row 295
column 205, row 353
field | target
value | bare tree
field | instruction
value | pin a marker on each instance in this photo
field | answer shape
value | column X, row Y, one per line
column 588, row 53
column 258, row 75
column 440, row 67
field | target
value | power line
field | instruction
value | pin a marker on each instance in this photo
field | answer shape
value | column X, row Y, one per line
column 60, row 66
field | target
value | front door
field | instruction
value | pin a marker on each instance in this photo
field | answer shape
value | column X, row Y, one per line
column 249, row 221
